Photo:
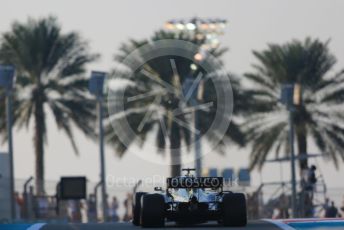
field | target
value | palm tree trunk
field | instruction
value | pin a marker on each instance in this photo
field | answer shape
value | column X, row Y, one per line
column 302, row 146
column 175, row 150
column 301, row 137
column 39, row 144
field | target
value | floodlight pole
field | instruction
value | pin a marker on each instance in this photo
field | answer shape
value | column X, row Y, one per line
column 96, row 84
column 193, row 101
column 292, row 163
column 7, row 73
column 287, row 98
column 10, row 148
column 198, row 147
column 95, row 196
column 102, row 157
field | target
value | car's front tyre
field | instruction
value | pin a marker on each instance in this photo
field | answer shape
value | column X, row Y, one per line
column 152, row 211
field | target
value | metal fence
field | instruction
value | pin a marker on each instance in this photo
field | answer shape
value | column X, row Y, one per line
column 273, row 200
column 270, row 200
column 30, row 207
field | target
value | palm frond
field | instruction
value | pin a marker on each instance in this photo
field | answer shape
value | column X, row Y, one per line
column 309, row 64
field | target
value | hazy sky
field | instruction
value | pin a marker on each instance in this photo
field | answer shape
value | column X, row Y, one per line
column 105, row 24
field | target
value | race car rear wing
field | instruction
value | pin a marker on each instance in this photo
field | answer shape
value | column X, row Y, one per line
column 195, row 182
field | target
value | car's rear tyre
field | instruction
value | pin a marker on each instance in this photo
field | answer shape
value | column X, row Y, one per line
column 153, row 211
column 137, row 208
column 234, row 210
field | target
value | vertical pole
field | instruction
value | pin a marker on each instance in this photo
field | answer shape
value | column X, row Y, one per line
column 292, row 162
column 10, row 149
column 26, row 197
column 102, row 157
column 96, row 197
column 198, row 148
column 58, row 188
column 30, row 206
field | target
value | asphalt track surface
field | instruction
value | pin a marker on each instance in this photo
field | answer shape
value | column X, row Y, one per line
column 258, row 225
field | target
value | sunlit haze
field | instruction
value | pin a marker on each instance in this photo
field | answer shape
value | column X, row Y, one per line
column 107, row 23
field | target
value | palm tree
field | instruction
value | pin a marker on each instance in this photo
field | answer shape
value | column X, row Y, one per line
column 319, row 117
column 171, row 132
column 50, row 67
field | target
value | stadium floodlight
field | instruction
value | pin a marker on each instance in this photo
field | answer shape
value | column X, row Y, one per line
column 205, row 32
column 7, row 76
column 96, row 83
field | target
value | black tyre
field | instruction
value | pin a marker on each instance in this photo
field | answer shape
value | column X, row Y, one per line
column 234, row 210
column 153, row 211
column 137, row 208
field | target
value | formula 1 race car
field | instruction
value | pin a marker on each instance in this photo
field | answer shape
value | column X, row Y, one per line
column 190, row 200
